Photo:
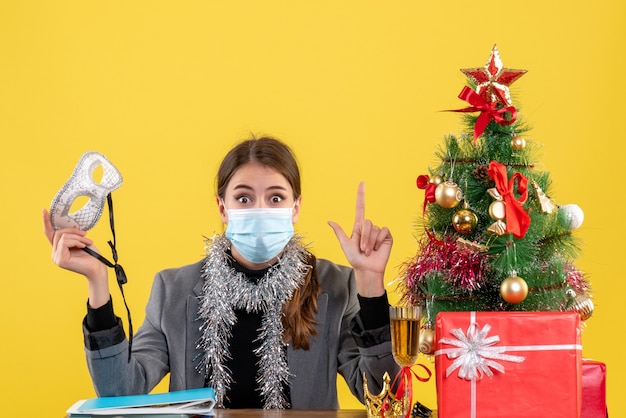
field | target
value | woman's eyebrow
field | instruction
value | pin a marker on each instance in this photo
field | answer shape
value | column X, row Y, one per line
column 277, row 187
column 244, row 186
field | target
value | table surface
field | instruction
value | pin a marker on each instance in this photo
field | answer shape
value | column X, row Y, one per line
column 340, row 413
column 274, row 413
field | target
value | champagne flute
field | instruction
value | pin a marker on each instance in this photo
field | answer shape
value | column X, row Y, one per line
column 405, row 329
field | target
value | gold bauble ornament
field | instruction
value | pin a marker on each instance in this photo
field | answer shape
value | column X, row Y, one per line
column 583, row 305
column 436, row 180
column 518, row 143
column 448, row 194
column 464, row 221
column 427, row 341
column 514, row 289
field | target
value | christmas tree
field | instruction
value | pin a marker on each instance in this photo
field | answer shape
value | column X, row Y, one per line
column 490, row 237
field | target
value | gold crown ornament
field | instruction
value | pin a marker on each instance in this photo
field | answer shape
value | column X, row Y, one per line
column 385, row 400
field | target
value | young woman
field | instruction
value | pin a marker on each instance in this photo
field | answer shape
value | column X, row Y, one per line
column 259, row 319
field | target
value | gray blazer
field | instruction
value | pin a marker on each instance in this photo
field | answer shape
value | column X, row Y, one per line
column 166, row 343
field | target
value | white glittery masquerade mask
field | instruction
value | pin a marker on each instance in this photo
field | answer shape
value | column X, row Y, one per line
column 82, row 183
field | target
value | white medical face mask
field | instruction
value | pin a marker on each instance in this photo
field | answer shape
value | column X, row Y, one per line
column 259, row 234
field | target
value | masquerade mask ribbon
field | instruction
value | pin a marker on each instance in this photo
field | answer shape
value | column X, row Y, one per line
column 120, row 275
column 488, row 111
column 517, row 219
column 423, row 182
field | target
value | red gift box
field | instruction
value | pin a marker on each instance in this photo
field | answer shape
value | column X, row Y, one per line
column 508, row 364
column 594, row 389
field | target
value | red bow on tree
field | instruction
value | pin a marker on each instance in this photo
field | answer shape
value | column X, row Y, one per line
column 488, row 111
column 423, row 182
column 517, row 220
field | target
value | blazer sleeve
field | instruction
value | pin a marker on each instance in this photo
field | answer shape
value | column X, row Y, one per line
column 111, row 371
column 361, row 350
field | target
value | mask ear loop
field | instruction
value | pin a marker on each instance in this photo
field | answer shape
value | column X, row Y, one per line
column 119, row 271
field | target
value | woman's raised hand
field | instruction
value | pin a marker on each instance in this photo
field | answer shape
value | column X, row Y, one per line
column 367, row 249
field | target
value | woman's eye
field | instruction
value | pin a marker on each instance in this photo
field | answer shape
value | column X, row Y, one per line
column 276, row 199
column 243, row 199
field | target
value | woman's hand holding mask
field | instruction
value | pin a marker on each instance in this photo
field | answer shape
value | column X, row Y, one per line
column 67, row 253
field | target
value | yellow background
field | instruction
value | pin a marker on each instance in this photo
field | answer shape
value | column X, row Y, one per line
column 164, row 88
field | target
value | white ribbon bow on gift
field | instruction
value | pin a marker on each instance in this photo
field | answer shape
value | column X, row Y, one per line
column 476, row 355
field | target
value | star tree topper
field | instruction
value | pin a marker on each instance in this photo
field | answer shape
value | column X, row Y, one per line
column 492, row 81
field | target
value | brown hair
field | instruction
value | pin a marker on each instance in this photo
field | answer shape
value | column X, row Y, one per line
column 299, row 312
column 266, row 151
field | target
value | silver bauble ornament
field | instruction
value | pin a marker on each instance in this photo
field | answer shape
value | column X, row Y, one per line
column 574, row 214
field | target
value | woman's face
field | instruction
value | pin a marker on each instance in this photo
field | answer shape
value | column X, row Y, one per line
column 257, row 186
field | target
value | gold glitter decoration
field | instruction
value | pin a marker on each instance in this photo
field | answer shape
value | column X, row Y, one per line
column 544, row 201
column 463, row 244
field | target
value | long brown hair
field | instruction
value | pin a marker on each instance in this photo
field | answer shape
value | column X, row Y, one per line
column 299, row 312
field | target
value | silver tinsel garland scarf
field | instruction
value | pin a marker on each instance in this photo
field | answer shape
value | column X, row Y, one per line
column 225, row 290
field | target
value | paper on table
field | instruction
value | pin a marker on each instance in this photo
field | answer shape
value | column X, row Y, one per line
column 190, row 402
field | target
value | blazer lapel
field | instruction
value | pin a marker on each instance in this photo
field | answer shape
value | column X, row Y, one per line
column 303, row 364
column 194, row 378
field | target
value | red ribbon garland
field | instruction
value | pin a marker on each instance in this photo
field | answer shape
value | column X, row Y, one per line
column 488, row 111
column 517, row 220
column 423, row 182
column 406, row 383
